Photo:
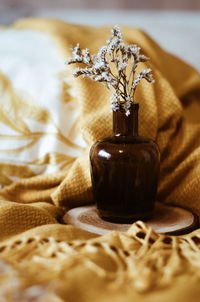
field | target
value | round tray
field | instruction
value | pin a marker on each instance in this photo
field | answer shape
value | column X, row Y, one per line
column 166, row 220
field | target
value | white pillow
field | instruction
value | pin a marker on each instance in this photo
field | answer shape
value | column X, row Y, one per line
column 38, row 110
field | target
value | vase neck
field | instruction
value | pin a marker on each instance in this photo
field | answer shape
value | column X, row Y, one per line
column 124, row 125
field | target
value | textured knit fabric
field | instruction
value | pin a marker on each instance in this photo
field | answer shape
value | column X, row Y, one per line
column 169, row 114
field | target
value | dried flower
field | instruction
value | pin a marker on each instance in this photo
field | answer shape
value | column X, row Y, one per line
column 111, row 68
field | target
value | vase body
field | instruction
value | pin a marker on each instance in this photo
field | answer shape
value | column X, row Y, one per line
column 125, row 171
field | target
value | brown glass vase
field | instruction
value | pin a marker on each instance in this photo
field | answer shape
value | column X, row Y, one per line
column 125, row 171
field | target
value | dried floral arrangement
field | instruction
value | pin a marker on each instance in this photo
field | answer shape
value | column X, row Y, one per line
column 115, row 67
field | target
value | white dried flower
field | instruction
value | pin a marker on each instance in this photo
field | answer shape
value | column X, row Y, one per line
column 76, row 55
column 144, row 74
column 127, row 105
column 142, row 58
column 103, row 77
column 113, row 45
column 81, row 71
column 99, row 67
column 86, row 56
column 109, row 67
column 116, row 32
column 115, row 106
column 102, row 54
column 116, row 97
column 122, row 66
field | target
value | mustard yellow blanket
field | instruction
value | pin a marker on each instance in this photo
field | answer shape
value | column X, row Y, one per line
column 61, row 263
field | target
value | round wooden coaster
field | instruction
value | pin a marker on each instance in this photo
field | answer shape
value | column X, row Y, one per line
column 166, row 220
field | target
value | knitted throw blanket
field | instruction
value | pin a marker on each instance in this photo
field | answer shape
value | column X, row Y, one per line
column 46, row 134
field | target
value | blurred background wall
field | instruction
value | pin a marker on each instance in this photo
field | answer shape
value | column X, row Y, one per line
column 10, row 10
column 116, row 4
